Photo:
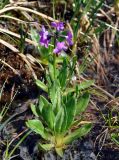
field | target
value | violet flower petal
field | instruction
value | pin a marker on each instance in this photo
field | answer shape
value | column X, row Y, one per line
column 60, row 46
column 69, row 38
column 59, row 26
column 44, row 39
column 44, row 42
column 56, row 51
column 54, row 24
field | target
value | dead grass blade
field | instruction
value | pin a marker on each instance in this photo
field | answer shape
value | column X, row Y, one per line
column 6, row 64
column 14, row 18
column 24, row 3
column 2, row 11
column 17, row 35
column 11, row 47
column 28, row 64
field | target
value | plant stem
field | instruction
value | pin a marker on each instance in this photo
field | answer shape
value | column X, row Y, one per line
column 54, row 65
column 54, row 9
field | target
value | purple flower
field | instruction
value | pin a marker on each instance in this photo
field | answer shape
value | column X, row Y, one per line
column 69, row 38
column 44, row 42
column 60, row 46
column 58, row 25
column 44, row 39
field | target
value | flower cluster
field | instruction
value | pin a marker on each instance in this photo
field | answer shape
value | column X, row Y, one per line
column 45, row 37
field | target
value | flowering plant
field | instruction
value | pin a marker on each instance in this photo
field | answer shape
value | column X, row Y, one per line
column 56, row 116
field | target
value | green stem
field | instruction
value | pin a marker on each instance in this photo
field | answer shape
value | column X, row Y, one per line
column 21, row 140
column 54, row 65
column 54, row 58
column 54, row 9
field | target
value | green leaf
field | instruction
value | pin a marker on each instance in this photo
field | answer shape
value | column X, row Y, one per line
column 59, row 97
column 47, row 112
column 33, row 108
column 63, row 74
column 46, row 147
column 36, row 126
column 34, row 36
column 43, row 101
column 70, row 109
column 69, row 90
column 85, row 84
column 48, row 79
column 82, row 103
column 53, row 93
column 44, row 52
column 72, row 64
column 64, row 124
column 82, row 131
column 59, row 120
column 48, row 115
column 115, row 138
column 42, row 85
column 59, row 151
column 55, row 96
column 53, row 72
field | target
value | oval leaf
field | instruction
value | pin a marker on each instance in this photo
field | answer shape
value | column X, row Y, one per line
column 85, row 84
column 59, row 120
column 82, row 103
column 48, row 115
column 82, row 131
column 42, row 85
column 47, row 112
column 33, row 108
column 46, row 147
column 36, row 126
column 70, row 109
